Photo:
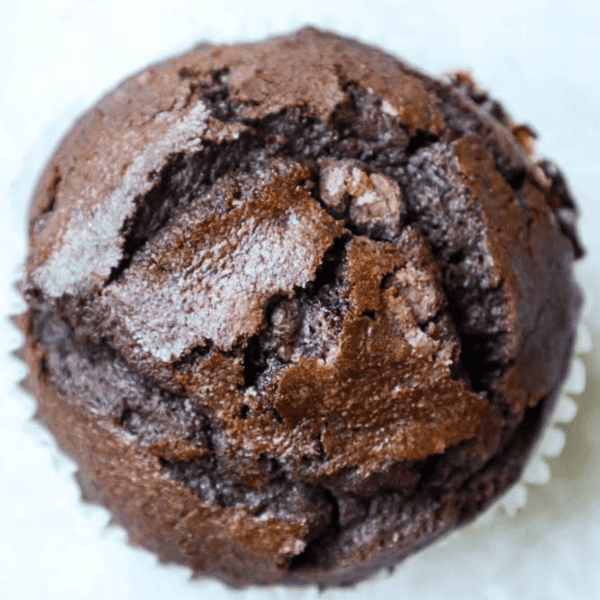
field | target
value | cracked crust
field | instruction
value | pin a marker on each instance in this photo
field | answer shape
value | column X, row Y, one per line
column 306, row 305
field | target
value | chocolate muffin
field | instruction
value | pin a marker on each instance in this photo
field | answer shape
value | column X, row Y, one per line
column 296, row 309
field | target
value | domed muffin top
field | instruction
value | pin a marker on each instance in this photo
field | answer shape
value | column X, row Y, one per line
column 344, row 264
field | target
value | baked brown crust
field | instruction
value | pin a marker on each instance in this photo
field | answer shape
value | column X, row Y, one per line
column 297, row 309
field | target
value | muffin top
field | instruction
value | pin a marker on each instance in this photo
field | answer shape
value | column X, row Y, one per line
column 343, row 265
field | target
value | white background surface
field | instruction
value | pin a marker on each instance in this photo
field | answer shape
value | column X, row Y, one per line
column 541, row 58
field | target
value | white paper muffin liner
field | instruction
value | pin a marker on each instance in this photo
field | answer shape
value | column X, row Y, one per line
column 93, row 522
